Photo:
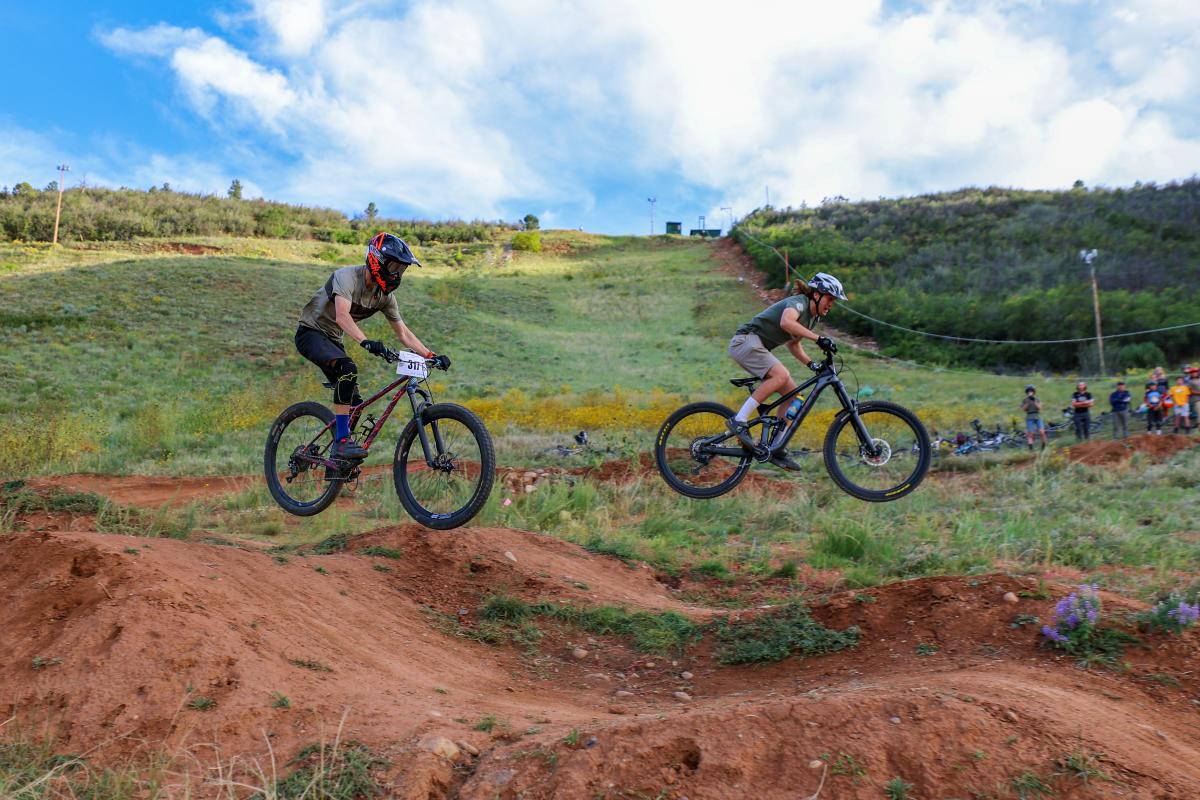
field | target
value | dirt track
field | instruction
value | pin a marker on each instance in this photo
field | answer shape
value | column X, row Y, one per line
column 145, row 626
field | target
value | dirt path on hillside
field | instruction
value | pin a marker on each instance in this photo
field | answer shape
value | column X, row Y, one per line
column 131, row 633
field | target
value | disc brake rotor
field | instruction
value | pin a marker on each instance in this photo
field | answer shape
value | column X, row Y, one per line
column 882, row 456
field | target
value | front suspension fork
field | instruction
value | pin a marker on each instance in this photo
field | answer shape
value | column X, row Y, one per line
column 860, row 428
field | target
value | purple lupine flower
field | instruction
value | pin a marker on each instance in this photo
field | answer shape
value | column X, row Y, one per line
column 1052, row 634
column 1185, row 614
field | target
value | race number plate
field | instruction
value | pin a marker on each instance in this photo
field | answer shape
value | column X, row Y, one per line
column 412, row 365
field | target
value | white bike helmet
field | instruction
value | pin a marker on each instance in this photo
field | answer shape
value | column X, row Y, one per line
column 827, row 284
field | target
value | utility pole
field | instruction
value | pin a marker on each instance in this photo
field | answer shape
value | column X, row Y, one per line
column 729, row 209
column 62, row 179
column 651, row 201
column 767, row 189
column 1089, row 256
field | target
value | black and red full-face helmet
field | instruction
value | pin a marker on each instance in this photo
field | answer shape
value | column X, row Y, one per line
column 387, row 258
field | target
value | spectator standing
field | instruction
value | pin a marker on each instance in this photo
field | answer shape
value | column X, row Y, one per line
column 1160, row 378
column 1119, row 400
column 1154, row 408
column 1033, row 416
column 1081, row 404
column 1180, row 394
column 1193, row 383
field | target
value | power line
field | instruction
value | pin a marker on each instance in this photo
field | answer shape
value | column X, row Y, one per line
column 1016, row 341
column 947, row 337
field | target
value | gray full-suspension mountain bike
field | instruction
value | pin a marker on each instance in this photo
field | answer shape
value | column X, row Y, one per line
column 875, row 450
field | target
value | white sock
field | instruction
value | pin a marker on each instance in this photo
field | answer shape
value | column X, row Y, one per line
column 748, row 408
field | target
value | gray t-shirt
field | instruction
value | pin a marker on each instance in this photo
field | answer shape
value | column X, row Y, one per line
column 365, row 299
column 766, row 323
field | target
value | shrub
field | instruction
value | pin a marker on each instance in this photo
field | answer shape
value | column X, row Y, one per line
column 527, row 240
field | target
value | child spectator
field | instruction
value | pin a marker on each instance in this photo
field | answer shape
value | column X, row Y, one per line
column 1081, row 403
column 1033, row 416
column 1119, row 400
column 1180, row 394
column 1153, row 400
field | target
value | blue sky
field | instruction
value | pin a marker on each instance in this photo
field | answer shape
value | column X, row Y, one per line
column 578, row 111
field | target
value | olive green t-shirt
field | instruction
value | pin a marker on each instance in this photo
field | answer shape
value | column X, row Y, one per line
column 766, row 323
column 364, row 295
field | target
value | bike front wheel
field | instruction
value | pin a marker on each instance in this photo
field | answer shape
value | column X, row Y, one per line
column 891, row 466
column 299, row 439
column 445, row 466
column 697, row 455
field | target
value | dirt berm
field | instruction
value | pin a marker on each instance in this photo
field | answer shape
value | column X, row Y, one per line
column 128, row 634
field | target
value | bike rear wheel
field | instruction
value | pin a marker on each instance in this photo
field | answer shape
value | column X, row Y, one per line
column 901, row 459
column 683, row 452
column 299, row 436
column 447, row 489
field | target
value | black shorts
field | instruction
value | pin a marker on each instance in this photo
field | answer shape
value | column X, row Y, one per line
column 320, row 349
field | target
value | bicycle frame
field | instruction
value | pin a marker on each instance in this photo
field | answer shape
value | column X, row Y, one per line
column 402, row 386
column 819, row 383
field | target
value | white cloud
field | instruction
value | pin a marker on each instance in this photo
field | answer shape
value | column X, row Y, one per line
column 466, row 106
column 26, row 157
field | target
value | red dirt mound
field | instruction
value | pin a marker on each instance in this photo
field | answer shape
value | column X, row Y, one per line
column 130, row 633
column 1100, row 452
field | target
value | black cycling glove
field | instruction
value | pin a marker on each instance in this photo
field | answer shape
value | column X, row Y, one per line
column 826, row 344
column 441, row 362
column 815, row 365
column 374, row 347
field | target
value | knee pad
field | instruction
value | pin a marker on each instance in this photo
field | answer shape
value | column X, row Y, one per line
column 345, row 381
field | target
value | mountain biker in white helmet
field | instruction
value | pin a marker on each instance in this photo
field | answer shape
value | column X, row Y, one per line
column 788, row 322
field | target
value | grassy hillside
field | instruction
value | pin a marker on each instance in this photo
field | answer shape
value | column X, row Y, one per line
column 91, row 214
column 138, row 361
column 1004, row 264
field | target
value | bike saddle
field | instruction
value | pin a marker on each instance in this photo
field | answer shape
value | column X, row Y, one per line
column 743, row 381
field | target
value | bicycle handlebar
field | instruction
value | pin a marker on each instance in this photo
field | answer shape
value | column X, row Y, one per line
column 392, row 356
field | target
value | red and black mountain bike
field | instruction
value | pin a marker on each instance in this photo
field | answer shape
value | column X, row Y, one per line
column 444, row 466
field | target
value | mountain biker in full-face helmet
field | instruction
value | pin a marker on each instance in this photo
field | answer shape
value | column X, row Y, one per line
column 350, row 295
column 787, row 323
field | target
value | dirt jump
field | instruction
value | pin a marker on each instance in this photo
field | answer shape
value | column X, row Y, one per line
column 1099, row 452
column 128, row 646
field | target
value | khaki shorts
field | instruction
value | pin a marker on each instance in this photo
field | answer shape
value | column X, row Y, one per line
column 748, row 351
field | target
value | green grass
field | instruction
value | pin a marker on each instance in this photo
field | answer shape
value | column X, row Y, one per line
column 147, row 363
column 897, row 789
column 507, row 617
column 342, row 771
column 34, row 769
column 778, row 634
